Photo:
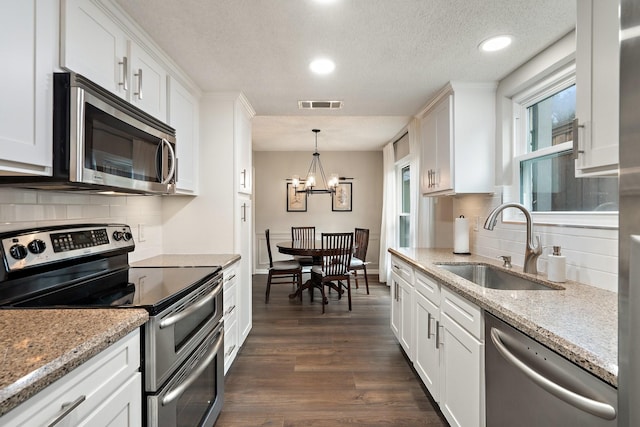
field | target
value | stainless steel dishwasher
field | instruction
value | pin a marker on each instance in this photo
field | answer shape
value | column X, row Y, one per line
column 528, row 384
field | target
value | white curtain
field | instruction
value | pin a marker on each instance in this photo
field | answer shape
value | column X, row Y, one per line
column 388, row 227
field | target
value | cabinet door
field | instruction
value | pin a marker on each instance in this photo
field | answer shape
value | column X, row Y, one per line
column 597, row 86
column 122, row 409
column 148, row 82
column 395, row 305
column 28, row 29
column 429, row 163
column 242, row 141
column 94, row 46
column 230, row 317
column 462, row 389
column 245, row 277
column 427, row 353
column 444, row 144
column 183, row 117
column 405, row 295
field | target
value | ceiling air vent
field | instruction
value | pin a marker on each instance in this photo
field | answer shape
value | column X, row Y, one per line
column 319, row 105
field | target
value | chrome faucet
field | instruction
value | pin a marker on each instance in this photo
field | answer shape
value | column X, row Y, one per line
column 532, row 250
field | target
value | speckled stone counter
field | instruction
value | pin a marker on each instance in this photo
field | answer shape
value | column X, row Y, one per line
column 579, row 322
column 197, row 260
column 38, row 347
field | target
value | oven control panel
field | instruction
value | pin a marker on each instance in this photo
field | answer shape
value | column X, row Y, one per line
column 29, row 248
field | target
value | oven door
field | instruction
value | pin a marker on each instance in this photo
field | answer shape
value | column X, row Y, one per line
column 194, row 396
column 173, row 335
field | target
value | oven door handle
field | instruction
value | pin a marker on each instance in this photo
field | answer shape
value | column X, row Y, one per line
column 177, row 392
column 172, row 320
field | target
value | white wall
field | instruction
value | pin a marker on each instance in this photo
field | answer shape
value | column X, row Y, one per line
column 272, row 168
column 30, row 208
column 592, row 253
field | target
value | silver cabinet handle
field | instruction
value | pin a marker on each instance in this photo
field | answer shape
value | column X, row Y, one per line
column 139, row 76
column 171, row 320
column 599, row 409
column 244, row 178
column 230, row 278
column 125, row 71
column 576, row 139
column 428, row 326
column 437, row 334
column 195, row 374
column 67, row 408
column 233, row 347
column 244, row 212
column 230, row 310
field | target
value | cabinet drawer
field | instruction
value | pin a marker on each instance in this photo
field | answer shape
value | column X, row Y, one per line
column 429, row 288
column 465, row 313
column 402, row 269
column 90, row 385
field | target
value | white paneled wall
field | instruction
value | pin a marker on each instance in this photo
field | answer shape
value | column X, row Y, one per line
column 30, row 208
column 592, row 253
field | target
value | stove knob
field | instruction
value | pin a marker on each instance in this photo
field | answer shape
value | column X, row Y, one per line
column 37, row 246
column 127, row 236
column 117, row 235
column 18, row 251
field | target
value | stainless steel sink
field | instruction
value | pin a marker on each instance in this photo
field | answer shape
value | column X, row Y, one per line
column 488, row 276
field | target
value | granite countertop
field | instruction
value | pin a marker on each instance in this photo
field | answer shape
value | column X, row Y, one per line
column 579, row 322
column 182, row 260
column 39, row 346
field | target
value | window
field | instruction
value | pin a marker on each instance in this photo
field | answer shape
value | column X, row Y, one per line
column 544, row 164
column 404, row 208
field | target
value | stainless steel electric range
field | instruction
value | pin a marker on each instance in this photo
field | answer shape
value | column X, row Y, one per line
column 87, row 266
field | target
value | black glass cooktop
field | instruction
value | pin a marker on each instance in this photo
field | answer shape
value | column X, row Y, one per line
column 153, row 288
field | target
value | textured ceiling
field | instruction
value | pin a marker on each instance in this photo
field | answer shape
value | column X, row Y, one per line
column 391, row 56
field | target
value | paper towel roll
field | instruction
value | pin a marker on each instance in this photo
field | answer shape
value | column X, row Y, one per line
column 461, row 236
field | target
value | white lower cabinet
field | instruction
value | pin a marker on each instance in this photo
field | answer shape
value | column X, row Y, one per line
column 449, row 351
column 402, row 317
column 230, row 315
column 104, row 391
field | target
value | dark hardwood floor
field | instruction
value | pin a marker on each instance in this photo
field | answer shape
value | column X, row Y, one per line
column 299, row 367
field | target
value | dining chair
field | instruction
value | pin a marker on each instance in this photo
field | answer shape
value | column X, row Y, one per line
column 303, row 235
column 282, row 272
column 337, row 249
column 358, row 261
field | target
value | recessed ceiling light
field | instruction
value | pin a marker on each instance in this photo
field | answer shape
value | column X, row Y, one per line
column 495, row 43
column 322, row 66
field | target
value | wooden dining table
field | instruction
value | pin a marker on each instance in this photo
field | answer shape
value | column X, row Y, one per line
column 312, row 249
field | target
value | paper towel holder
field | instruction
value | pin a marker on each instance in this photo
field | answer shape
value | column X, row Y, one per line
column 466, row 245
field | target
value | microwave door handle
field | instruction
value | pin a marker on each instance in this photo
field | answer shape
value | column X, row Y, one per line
column 195, row 374
column 172, row 157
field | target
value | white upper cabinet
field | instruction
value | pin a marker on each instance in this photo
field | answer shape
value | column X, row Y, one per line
column 95, row 46
column 597, row 87
column 458, row 139
column 29, row 30
column 148, row 82
column 244, row 166
column 183, row 116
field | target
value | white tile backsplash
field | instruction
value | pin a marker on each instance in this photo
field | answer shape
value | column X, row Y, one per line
column 592, row 253
column 21, row 208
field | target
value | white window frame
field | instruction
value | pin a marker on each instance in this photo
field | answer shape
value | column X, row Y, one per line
column 400, row 165
column 553, row 83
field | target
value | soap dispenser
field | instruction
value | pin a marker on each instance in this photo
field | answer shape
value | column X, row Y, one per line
column 557, row 271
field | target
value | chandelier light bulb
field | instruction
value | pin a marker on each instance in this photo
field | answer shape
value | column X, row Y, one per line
column 295, row 181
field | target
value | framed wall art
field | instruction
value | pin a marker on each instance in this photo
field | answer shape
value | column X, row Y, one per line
column 341, row 200
column 296, row 202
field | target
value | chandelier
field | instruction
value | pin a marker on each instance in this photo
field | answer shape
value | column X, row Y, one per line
column 310, row 184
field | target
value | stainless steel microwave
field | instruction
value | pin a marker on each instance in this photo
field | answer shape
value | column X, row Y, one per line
column 101, row 143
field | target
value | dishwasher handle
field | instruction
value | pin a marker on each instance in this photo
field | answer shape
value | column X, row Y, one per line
column 594, row 407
